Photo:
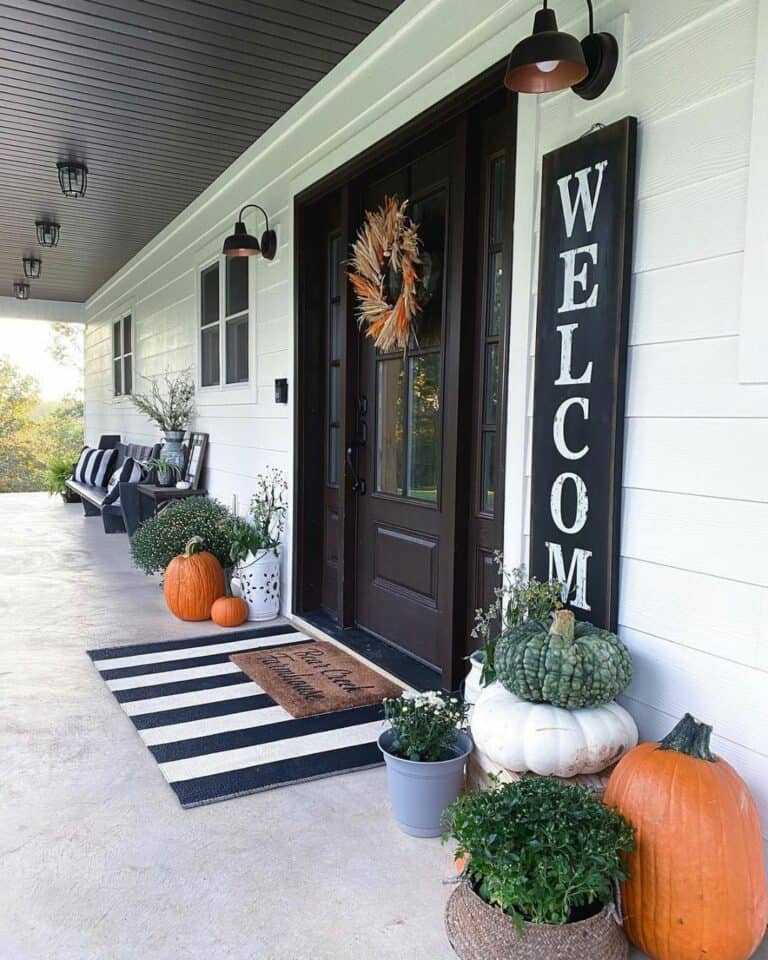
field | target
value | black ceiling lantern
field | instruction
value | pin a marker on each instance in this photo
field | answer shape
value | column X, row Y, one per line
column 550, row 60
column 33, row 267
column 21, row 290
column 73, row 178
column 47, row 233
column 242, row 244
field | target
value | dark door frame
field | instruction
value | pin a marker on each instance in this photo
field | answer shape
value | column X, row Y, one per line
column 309, row 379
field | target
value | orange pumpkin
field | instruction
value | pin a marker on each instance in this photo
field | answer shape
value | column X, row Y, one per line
column 229, row 611
column 697, row 887
column 192, row 582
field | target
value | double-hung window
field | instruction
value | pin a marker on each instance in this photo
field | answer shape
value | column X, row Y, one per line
column 224, row 323
column 122, row 355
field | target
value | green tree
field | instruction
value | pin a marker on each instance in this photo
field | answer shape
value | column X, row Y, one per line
column 20, row 466
column 33, row 434
column 66, row 345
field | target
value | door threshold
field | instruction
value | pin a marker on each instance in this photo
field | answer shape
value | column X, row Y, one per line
column 386, row 658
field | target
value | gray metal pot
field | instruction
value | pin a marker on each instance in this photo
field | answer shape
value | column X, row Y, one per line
column 419, row 792
column 173, row 450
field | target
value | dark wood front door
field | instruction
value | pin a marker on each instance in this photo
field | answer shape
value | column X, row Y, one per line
column 407, row 418
column 399, row 473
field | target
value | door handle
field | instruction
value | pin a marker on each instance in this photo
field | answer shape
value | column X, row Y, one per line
column 358, row 483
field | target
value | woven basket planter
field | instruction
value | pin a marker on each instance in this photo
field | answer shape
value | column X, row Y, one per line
column 477, row 931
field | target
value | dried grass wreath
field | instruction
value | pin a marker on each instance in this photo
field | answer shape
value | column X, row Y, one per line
column 385, row 261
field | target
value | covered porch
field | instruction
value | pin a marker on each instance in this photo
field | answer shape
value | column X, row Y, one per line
column 103, row 860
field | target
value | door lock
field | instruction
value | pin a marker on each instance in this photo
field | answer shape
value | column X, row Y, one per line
column 361, row 439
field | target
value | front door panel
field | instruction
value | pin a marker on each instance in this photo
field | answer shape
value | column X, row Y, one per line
column 406, row 518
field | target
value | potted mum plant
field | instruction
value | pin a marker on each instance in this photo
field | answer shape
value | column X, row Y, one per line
column 258, row 563
column 171, row 408
column 425, row 750
column 541, row 861
column 161, row 538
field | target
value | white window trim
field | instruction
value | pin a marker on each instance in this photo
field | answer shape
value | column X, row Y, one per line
column 214, row 392
column 128, row 309
column 753, row 338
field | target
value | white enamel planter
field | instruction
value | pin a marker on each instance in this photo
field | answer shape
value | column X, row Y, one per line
column 258, row 583
column 472, row 688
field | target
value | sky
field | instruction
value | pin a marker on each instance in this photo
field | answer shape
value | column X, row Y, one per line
column 26, row 342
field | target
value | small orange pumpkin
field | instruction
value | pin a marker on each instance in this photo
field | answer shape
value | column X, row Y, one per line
column 229, row 611
column 697, row 878
column 192, row 582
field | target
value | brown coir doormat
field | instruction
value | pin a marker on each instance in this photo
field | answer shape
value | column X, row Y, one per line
column 312, row 678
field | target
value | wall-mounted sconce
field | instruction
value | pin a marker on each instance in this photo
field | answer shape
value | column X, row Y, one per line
column 47, row 233
column 242, row 244
column 550, row 60
column 73, row 178
column 33, row 267
column 21, row 290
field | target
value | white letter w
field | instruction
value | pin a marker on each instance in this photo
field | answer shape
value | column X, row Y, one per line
column 583, row 197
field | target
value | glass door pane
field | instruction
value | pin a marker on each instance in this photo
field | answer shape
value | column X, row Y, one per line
column 390, row 420
column 424, row 426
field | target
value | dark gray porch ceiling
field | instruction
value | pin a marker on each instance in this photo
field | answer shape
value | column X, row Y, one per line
column 157, row 97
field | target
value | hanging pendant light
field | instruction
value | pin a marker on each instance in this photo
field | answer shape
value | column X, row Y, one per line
column 47, row 233
column 242, row 244
column 73, row 178
column 33, row 267
column 21, row 290
column 551, row 60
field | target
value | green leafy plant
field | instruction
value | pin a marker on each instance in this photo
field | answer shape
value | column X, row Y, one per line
column 244, row 539
column 540, row 850
column 268, row 509
column 172, row 406
column 517, row 599
column 425, row 725
column 163, row 468
column 58, row 469
column 158, row 540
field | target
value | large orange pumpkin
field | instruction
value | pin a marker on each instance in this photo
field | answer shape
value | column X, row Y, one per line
column 192, row 582
column 697, row 888
column 229, row 611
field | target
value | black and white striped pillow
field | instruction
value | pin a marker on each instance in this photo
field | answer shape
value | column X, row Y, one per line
column 130, row 471
column 94, row 466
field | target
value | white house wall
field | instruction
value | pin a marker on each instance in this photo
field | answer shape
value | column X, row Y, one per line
column 694, row 581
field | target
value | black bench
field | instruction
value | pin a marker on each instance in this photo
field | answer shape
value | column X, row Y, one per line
column 129, row 509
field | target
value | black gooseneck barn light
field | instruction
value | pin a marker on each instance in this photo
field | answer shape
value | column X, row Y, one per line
column 47, row 233
column 21, row 290
column 73, row 178
column 33, row 267
column 242, row 244
column 550, row 60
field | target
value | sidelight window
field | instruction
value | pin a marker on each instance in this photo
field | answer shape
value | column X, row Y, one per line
column 491, row 339
column 336, row 331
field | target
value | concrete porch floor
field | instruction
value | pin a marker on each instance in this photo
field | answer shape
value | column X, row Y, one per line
column 99, row 860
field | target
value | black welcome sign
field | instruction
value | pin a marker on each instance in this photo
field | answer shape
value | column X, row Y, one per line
column 585, row 264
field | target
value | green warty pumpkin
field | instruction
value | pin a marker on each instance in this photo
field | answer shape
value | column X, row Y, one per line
column 568, row 664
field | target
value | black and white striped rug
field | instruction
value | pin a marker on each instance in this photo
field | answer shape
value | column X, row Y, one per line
column 214, row 733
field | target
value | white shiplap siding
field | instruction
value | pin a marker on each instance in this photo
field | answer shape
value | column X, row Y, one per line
column 694, row 580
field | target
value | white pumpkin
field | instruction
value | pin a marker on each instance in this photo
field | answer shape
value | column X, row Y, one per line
column 551, row 741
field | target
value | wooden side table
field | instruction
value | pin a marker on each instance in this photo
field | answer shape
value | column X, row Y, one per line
column 162, row 496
